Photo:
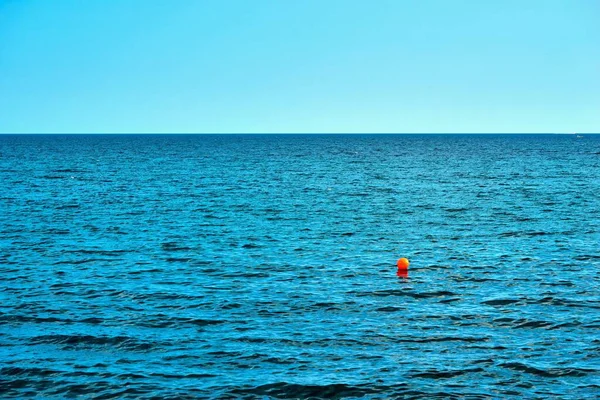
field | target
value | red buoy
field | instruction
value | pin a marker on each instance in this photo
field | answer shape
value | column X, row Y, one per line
column 403, row 264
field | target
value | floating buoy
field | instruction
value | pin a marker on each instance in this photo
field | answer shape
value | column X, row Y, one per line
column 403, row 263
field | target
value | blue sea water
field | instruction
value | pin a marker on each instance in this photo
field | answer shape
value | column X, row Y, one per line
column 263, row 266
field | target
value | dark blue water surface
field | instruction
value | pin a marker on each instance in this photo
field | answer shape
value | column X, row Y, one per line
column 264, row 266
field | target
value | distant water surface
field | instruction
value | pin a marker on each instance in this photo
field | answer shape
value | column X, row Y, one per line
column 258, row 266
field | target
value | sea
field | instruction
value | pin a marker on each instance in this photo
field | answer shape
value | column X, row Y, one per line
column 264, row 266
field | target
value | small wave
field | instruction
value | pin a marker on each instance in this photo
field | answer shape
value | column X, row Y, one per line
column 85, row 261
column 183, row 376
column 55, row 231
column 435, row 339
column 549, row 372
column 357, row 194
column 21, row 319
column 297, row 391
column 406, row 293
column 522, row 323
column 500, row 302
column 173, row 246
column 120, row 342
column 202, row 322
column 283, row 390
column 230, row 306
column 18, row 371
column 178, row 259
column 113, row 253
column 70, row 171
column 67, row 206
column 437, row 374
column 246, row 275
column 145, row 271
column 162, row 321
column 456, row 210
column 553, row 301
column 527, row 234
column 251, row 246
column 586, row 257
column 390, row 309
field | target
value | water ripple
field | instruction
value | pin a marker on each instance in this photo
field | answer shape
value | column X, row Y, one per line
column 169, row 267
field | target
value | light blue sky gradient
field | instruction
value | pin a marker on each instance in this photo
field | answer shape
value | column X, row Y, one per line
column 299, row 66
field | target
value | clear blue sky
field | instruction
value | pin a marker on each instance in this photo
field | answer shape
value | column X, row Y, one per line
column 299, row 66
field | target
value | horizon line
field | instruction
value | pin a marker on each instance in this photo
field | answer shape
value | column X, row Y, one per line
column 299, row 133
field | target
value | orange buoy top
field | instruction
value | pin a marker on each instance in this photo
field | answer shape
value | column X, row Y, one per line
column 403, row 263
